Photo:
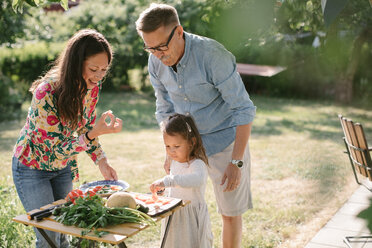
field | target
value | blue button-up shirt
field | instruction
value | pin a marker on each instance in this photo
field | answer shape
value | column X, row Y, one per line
column 205, row 86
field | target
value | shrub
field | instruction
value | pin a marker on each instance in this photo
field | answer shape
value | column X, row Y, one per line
column 19, row 67
column 12, row 234
column 25, row 64
column 11, row 99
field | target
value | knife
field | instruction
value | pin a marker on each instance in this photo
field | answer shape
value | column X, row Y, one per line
column 42, row 212
column 41, row 216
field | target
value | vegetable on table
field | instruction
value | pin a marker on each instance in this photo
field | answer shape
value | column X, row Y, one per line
column 105, row 189
column 90, row 213
column 149, row 199
column 73, row 195
column 121, row 199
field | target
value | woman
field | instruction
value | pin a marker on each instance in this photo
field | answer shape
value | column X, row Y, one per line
column 61, row 123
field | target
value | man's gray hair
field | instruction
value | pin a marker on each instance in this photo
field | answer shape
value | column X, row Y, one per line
column 155, row 16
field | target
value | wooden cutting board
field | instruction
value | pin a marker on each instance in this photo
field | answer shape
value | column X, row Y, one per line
column 155, row 209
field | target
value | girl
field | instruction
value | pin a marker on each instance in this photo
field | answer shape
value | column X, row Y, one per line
column 190, row 227
column 61, row 122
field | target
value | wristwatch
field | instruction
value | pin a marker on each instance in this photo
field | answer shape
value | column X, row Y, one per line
column 237, row 163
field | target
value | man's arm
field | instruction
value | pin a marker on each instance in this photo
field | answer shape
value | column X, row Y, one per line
column 164, row 105
column 241, row 140
column 232, row 172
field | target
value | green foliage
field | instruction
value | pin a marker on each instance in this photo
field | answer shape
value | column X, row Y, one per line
column 10, row 98
column 356, row 15
column 27, row 63
column 300, row 16
column 363, row 78
column 256, row 32
column 19, row 67
column 117, row 23
column 18, row 5
column 236, row 23
column 89, row 212
column 261, row 32
column 12, row 234
column 11, row 24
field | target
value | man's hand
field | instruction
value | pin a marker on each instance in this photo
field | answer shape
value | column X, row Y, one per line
column 233, row 176
column 107, row 171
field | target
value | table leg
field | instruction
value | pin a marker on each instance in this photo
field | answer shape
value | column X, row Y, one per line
column 166, row 231
column 46, row 237
column 122, row 245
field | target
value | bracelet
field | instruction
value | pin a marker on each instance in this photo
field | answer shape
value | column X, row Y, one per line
column 86, row 136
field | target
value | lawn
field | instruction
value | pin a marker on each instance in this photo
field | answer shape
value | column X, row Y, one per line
column 300, row 175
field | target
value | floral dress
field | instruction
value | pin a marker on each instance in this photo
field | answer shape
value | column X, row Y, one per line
column 46, row 142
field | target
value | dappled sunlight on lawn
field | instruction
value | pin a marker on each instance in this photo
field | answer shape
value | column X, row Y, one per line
column 300, row 175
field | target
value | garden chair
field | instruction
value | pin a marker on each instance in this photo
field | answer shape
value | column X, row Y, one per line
column 360, row 159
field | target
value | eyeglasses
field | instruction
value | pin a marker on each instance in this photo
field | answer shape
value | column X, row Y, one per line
column 160, row 48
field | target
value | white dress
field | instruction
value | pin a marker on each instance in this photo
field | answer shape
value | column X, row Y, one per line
column 190, row 226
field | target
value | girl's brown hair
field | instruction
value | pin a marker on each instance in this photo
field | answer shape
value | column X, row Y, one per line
column 67, row 70
column 185, row 126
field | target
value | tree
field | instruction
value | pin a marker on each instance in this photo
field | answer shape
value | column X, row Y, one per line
column 18, row 5
column 348, row 29
column 356, row 18
column 11, row 24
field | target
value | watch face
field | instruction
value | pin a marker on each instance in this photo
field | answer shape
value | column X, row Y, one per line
column 239, row 164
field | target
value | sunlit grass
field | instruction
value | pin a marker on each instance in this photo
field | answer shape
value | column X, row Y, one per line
column 300, row 175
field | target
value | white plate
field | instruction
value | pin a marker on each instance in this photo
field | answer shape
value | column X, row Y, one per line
column 120, row 183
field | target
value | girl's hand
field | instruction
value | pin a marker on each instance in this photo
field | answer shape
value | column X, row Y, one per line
column 107, row 171
column 102, row 127
column 156, row 186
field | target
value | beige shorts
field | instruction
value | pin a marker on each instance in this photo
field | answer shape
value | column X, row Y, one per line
column 236, row 202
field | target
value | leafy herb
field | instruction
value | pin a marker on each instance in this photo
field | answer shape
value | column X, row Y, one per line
column 90, row 213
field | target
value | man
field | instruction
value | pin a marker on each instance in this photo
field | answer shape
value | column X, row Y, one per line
column 197, row 76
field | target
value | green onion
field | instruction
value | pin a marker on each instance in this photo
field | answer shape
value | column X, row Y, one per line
column 90, row 213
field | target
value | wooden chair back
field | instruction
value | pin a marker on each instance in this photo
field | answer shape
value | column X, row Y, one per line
column 357, row 148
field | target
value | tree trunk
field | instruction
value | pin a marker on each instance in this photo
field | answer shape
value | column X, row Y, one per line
column 344, row 87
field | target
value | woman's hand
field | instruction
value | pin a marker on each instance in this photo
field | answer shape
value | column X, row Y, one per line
column 102, row 127
column 106, row 170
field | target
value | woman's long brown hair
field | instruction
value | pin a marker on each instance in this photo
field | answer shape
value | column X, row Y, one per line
column 185, row 126
column 71, row 87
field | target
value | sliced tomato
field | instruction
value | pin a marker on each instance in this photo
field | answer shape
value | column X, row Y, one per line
column 80, row 192
column 149, row 201
column 155, row 196
column 97, row 188
column 73, row 194
column 165, row 202
column 141, row 197
column 115, row 188
column 90, row 193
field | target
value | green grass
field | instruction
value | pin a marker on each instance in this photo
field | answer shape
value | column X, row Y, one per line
column 300, row 175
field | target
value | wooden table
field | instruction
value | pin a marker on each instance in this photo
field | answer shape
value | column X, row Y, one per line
column 259, row 70
column 117, row 234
